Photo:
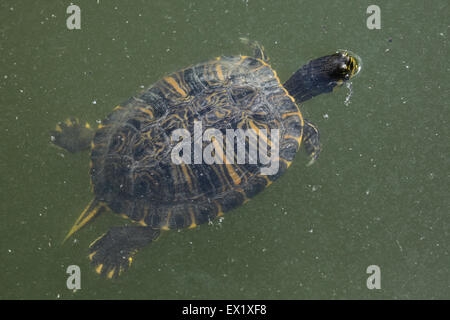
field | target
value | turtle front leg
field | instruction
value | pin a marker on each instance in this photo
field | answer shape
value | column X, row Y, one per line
column 311, row 141
column 113, row 252
column 72, row 136
column 258, row 50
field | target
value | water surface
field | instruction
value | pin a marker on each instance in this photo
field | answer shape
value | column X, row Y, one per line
column 378, row 195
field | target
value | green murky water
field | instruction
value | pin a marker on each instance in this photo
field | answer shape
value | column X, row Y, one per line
column 378, row 195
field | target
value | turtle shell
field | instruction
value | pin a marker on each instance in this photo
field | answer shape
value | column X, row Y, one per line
column 132, row 170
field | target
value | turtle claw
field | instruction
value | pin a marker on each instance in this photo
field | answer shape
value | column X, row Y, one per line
column 113, row 252
column 72, row 136
column 311, row 141
column 109, row 258
column 313, row 159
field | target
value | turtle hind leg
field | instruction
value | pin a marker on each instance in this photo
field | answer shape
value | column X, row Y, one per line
column 311, row 141
column 72, row 136
column 113, row 252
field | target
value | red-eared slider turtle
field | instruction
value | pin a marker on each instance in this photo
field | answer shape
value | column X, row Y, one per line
column 132, row 169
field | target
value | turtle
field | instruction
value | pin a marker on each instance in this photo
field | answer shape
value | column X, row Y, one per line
column 132, row 168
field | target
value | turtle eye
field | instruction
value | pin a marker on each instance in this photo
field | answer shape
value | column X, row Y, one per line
column 344, row 71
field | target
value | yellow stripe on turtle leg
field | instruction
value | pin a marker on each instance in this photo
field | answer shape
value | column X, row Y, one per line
column 193, row 221
column 111, row 273
column 165, row 227
column 99, row 268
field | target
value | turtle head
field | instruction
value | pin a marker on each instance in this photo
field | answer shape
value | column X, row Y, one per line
column 340, row 66
column 321, row 75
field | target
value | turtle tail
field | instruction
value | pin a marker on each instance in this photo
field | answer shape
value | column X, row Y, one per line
column 93, row 209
